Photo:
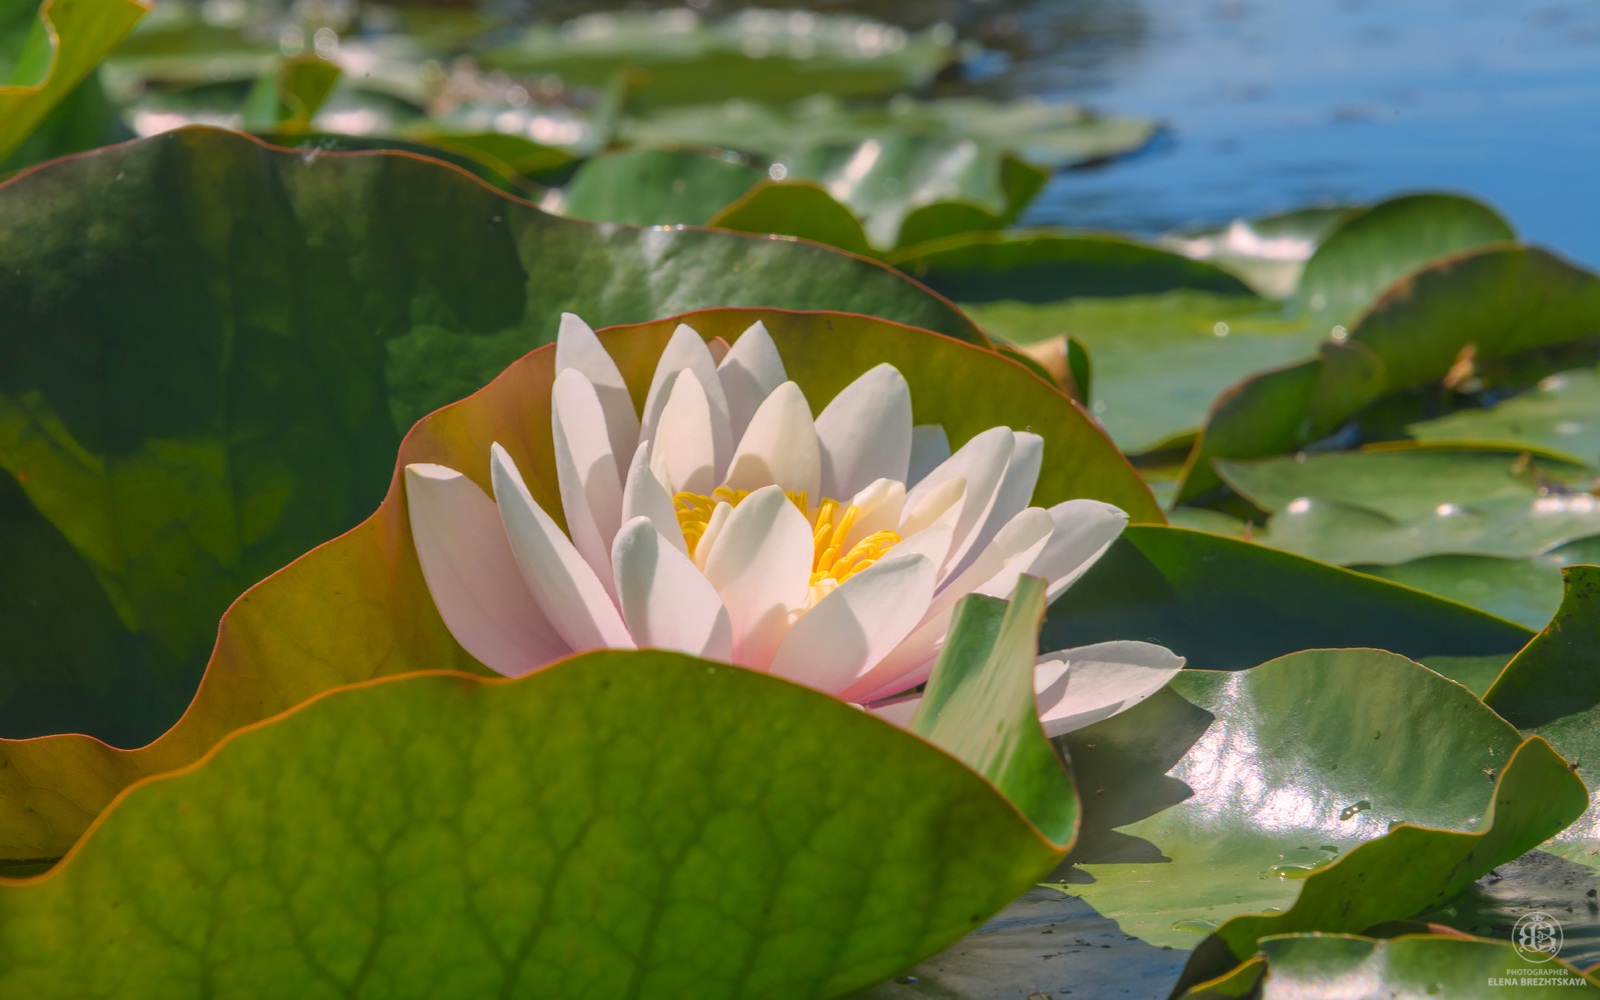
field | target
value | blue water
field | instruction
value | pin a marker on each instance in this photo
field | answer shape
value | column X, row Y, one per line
column 1273, row 106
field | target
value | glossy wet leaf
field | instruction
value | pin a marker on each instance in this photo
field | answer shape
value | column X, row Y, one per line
column 215, row 345
column 979, row 705
column 1314, row 966
column 1369, row 251
column 1267, row 253
column 1500, row 300
column 62, row 45
column 1259, row 778
column 756, row 54
column 360, row 607
column 623, row 823
column 1526, row 591
column 1562, row 414
column 1158, row 359
column 802, row 209
column 651, row 187
column 1398, row 504
column 1228, row 604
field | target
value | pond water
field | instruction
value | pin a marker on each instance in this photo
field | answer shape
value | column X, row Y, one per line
column 1273, row 106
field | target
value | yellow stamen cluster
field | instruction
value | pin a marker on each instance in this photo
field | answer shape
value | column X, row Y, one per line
column 830, row 524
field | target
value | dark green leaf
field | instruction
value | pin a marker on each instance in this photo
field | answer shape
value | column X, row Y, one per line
column 798, row 208
column 651, row 187
column 623, row 823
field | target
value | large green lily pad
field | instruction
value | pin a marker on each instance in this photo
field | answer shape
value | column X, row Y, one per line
column 1369, row 251
column 623, row 823
column 217, row 345
column 1224, row 793
column 1315, row 966
column 1499, row 300
column 1402, row 503
column 1268, row 253
column 1160, row 359
column 361, row 607
column 651, row 187
column 1228, row 604
column 1526, row 591
column 1561, row 414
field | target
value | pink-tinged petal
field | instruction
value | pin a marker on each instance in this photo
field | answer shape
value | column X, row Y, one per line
column 982, row 462
column 932, row 541
column 683, row 455
column 578, row 347
column 907, row 665
column 865, row 433
column 779, row 448
column 929, row 448
column 760, row 565
column 1084, row 529
column 940, row 505
column 687, row 351
column 644, row 496
column 708, row 539
column 472, row 574
column 1100, row 681
column 878, row 508
column 856, row 626
column 718, row 348
column 591, row 494
column 1014, row 549
column 897, row 710
column 749, row 373
column 566, row 588
column 666, row 602
column 1014, row 492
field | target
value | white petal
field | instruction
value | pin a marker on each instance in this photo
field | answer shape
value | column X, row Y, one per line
column 687, row 351
column 472, row 574
column 854, row 627
column 878, row 508
column 666, row 602
column 932, row 541
column 996, row 568
column 760, row 563
column 644, row 496
column 683, row 454
column 591, row 494
column 899, row 711
column 1101, row 681
column 578, row 347
column 982, row 462
column 929, row 448
column 779, row 447
column 1084, row 529
column 719, row 517
column 1014, row 492
column 942, row 503
column 907, row 665
column 865, row 433
column 749, row 373
column 567, row 589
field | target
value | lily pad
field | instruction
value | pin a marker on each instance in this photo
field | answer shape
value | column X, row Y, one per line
column 1267, row 253
column 62, row 44
column 761, row 54
column 1309, row 967
column 635, row 823
column 1261, row 779
column 1160, row 359
column 1371, row 250
column 1499, row 300
column 189, row 436
column 1403, row 503
column 801, row 209
column 1228, row 604
column 1561, row 414
column 52, row 788
column 650, row 187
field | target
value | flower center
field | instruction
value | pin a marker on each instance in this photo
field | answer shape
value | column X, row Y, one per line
column 831, row 562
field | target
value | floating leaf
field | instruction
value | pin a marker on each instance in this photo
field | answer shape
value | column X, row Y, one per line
column 1498, row 301
column 1402, row 503
column 1315, row 965
column 215, row 346
column 801, row 209
column 1560, row 415
column 649, row 187
column 1526, row 591
column 1227, row 604
column 1369, row 251
column 64, row 43
column 623, row 822
column 1268, row 253
column 1229, row 792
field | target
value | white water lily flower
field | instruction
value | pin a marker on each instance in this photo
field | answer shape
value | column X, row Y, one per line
column 729, row 524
